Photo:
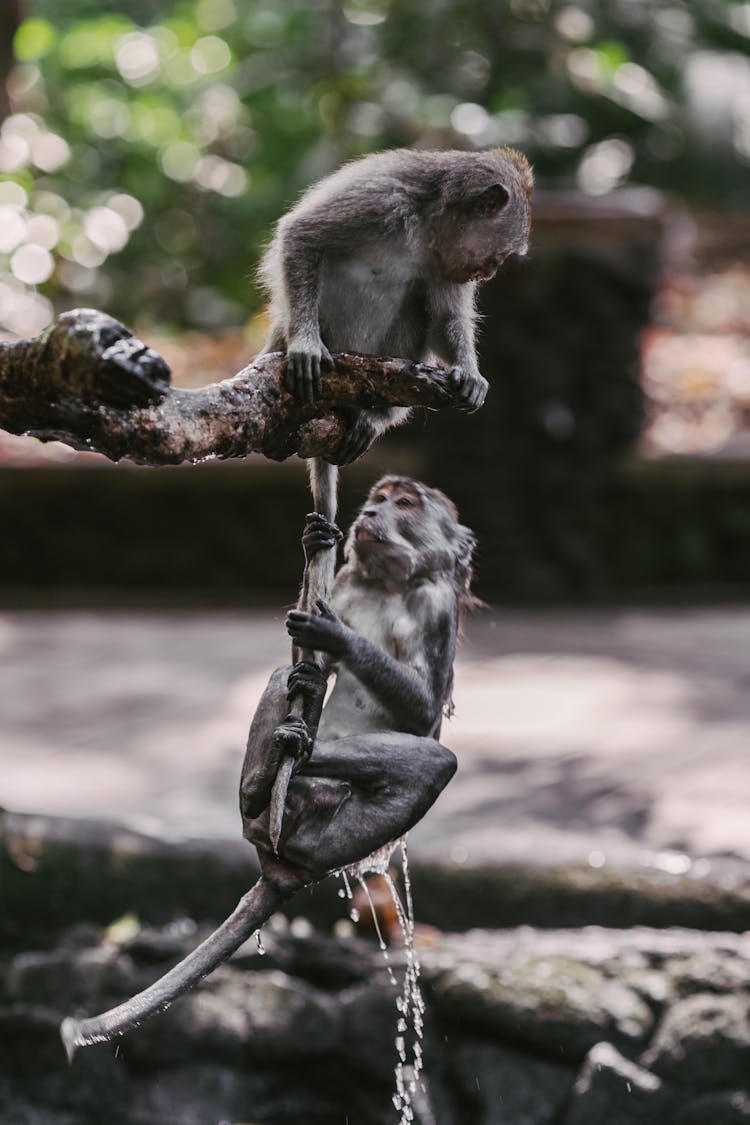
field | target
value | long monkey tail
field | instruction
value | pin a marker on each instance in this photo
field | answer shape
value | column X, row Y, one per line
column 249, row 915
column 319, row 573
column 317, row 583
column 324, row 485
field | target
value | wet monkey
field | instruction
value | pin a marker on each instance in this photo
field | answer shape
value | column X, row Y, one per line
column 384, row 257
column 389, row 634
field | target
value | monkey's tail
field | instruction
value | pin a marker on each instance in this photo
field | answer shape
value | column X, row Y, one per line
column 324, row 486
column 317, row 583
column 249, row 915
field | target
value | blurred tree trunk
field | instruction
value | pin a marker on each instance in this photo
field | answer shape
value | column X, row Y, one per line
column 10, row 18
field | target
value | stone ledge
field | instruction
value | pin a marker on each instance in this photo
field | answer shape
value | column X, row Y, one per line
column 523, row 1027
column 55, row 871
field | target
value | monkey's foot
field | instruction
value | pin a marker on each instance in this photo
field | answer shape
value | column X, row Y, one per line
column 357, row 440
column 471, row 386
column 307, row 679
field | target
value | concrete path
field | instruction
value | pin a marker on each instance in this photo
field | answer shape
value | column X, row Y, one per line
column 606, row 736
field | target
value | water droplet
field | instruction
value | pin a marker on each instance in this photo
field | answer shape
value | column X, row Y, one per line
column 409, row 1003
column 354, row 914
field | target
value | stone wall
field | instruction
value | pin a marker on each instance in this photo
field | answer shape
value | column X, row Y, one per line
column 590, row 1026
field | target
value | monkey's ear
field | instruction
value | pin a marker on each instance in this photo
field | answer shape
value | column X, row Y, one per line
column 492, row 200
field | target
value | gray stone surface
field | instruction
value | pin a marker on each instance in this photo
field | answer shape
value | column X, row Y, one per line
column 70, row 978
column 235, row 1015
column 502, row 1085
column 730, row 1108
column 599, row 735
column 558, row 1004
column 523, row 1027
column 703, row 1041
column 612, row 1089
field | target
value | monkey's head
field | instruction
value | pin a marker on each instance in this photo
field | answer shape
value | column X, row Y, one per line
column 483, row 213
column 406, row 531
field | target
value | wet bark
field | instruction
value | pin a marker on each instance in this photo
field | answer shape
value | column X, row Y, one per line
column 89, row 382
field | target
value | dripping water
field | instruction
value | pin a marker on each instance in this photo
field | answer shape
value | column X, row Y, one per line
column 410, row 1006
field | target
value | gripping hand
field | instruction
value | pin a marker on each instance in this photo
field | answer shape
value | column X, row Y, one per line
column 304, row 364
column 319, row 535
column 323, row 631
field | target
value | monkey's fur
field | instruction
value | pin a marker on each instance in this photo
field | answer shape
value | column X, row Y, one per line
column 377, row 767
column 384, row 257
column 390, row 634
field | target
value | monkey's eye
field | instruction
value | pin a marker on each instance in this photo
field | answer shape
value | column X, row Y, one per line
column 379, row 497
column 404, row 502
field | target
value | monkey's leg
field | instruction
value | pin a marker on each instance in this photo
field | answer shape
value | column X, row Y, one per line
column 250, row 913
column 263, row 754
column 357, row 794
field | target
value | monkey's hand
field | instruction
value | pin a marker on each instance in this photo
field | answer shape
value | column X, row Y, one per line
column 307, row 680
column 319, row 535
column 292, row 739
column 359, row 436
column 323, row 631
column 304, row 362
column 471, row 386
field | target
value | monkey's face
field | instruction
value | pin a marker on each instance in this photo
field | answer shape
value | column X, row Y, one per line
column 404, row 529
column 484, row 234
column 488, row 222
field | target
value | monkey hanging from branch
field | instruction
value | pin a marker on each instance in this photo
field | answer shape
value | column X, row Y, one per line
column 383, row 257
column 389, row 634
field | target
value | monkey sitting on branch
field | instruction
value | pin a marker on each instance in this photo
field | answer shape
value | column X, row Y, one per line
column 368, row 766
column 384, row 257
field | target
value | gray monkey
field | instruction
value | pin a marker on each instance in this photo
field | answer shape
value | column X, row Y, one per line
column 384, row 257
column 390, row 635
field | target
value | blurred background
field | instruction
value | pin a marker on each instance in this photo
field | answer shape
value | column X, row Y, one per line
column 144, row 157
column 602, row 703
column 145, row 154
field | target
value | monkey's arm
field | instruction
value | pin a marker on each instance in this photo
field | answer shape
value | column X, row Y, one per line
column 301, row 263
column 413, row 690
column 451, row 337
column 325, row 225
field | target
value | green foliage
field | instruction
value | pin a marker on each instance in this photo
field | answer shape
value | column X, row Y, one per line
column 152, row 148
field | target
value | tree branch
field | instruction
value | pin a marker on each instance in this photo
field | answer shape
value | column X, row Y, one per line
column 89, row 382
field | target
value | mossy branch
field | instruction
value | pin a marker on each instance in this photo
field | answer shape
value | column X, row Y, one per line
column 89, row 382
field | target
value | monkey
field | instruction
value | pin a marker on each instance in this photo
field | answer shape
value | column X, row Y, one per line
column 389, row 634
column 384, row 257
